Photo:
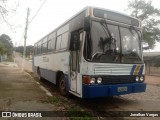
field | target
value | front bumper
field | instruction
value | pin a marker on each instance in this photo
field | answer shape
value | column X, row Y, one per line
column 94, row 91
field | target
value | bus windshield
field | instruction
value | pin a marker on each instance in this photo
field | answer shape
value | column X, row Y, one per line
column 113, row 44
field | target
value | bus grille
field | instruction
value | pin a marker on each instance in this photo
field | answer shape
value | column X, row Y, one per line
column 112, row 69
column 118, row 79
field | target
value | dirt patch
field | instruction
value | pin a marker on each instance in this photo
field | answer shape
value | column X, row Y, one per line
column 154, row 80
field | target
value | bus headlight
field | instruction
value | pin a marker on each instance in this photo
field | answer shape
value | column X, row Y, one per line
column 141, row 78
column 137, row 79
column 99, row 80
column 92, row 80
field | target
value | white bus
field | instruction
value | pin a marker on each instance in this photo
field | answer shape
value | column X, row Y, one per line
column 96, row 53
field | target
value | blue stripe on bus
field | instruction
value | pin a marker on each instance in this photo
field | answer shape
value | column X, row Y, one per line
column 132, row 70
column 141, row 70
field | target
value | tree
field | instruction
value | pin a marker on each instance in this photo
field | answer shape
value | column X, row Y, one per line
column 6, row 41
column 150, row 17
column 3, row 50
column 5, row 11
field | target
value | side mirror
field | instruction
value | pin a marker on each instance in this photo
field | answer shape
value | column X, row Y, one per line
column 75, row 41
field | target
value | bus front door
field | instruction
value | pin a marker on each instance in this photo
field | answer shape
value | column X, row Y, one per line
column 75, row 68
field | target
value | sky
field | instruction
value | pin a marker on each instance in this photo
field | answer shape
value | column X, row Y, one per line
column 52, row 14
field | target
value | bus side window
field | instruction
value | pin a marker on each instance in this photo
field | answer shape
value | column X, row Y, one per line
column 35, row 49
column 64, row 41
column 58, row 43
column 81, row 40
column 51, row 44
column 44, row 47
column 39, row 48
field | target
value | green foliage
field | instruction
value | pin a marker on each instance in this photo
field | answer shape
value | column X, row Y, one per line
column 150, row 17
column 76, row 114
column 3, row 50
column 6, row 44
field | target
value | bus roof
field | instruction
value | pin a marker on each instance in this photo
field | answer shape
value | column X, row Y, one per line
column 90, row 11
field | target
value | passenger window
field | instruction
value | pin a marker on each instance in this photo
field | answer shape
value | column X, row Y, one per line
column 39, row 48
column 51, row 44
column 64, row 41
column 58, row 44
column 44, row 47
column 51, row 41
column 35, row 49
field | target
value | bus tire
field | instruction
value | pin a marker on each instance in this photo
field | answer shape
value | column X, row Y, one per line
column 62, row 86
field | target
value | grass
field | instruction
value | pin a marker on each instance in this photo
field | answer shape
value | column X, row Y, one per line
column 76, row 114
column 52, row 100
column 72, row 111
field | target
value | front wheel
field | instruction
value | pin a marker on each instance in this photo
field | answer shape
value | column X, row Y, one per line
column 62, row 86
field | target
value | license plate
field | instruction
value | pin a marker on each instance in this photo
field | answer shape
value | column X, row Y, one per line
column 122, row 89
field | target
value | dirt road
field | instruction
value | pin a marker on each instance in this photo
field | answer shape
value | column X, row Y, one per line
column 27, row 65
column 153, row 80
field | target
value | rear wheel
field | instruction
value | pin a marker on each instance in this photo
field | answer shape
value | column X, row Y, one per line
column 62, row 86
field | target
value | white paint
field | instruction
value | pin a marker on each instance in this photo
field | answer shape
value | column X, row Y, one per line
column 79, row 84
column 45, row 90
column 56, row 61
column 37, row 83
column 73, row 81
